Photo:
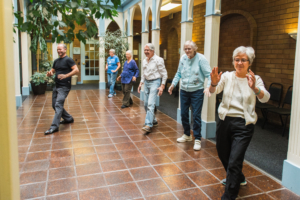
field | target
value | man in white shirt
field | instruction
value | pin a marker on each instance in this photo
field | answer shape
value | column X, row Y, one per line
column 154, row 77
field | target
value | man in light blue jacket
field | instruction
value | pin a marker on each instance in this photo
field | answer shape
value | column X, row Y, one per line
column 192, row 70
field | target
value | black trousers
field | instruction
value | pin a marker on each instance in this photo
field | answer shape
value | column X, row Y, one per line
column 127, row 101
column 59, row 96
column 233, row 138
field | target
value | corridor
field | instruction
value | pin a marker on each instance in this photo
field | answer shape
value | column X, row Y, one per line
column 104, row 155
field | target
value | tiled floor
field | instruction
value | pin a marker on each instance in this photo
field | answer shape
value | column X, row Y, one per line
column 104, row 155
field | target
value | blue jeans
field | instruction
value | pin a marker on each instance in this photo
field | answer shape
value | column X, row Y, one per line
column 194, row 99
column 111, row 78
column 150, row 95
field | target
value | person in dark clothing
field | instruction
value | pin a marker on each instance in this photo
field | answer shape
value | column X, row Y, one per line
column 64, row 68
column 128, row 77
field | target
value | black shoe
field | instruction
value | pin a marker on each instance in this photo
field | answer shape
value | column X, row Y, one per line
column 50, row 131
column 155, row 123
column 66, row 122
column 123, row 106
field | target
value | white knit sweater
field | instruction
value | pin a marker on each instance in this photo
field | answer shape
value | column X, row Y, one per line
column 249, row 98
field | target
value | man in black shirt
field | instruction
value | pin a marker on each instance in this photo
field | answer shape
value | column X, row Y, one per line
column 64, row 68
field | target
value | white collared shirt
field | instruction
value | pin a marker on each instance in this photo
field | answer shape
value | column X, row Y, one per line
column 154, row 69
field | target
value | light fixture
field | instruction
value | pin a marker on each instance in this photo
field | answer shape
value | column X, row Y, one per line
column 170, row 4
column 293, row 35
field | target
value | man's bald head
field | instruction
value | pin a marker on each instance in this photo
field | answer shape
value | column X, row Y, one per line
column 61, row 50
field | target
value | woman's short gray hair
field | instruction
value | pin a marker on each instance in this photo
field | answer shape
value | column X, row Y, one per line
column 151, row 46
column 193, row 44
column 129, row 51
column 112, row 50
column 249, row 51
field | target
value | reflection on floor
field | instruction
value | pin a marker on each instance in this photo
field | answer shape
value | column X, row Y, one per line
column 104, row 155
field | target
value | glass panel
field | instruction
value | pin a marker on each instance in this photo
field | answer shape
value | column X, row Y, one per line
column 91, row 71
column 87, row 47
column 87, row 63
column 96, row 71
column 87, row 71
column 92, row 54
column 96, row 63
column 92, row 63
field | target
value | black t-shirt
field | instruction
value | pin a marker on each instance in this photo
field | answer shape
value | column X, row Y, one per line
column 63, row 66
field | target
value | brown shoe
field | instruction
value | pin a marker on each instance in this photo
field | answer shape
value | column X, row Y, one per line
column 147, row 129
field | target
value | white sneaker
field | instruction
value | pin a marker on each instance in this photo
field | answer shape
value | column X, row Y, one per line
column 197, row 145
column 185, row 138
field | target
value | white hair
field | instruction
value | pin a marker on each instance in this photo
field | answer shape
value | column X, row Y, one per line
column 249, row 51
column 64, row 45
column 151, row 46
column 112, row 50
column 129, row 51
column 193, row 44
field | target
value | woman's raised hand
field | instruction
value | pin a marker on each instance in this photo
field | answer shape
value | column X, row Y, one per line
column 251, row 79
column 215, row 77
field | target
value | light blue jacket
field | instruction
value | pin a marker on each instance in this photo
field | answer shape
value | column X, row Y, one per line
column 192, row 73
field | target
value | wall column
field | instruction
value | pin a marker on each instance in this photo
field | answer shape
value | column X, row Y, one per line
column 130, row 42
column 291, row 166
column 155, row 41
column 26, row 63
column 9, row 168
column 186, row 34
column 17, row 70
column 102, row 72
column 145, row 40
column 211, row 52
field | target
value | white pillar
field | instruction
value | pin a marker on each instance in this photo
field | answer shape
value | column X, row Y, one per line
column 102, row 72
column 186, row 34
column 130, row 42
column 17, row 70
column 291, row 166
column 54, row 51
column 26, row 62
column 211, row 52
column 155, row 41
column 145, row 40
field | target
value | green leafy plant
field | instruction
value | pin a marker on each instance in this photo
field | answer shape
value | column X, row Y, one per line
column 39, row 78
column 115, row 40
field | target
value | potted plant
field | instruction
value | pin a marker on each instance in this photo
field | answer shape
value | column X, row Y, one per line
column 39, row 83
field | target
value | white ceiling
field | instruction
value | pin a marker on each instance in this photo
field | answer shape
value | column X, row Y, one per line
column 138, row 14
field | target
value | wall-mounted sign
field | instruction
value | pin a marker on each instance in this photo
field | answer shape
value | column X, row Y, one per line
column 165, row 54
column 135, row 52
column 92, row 48
column 76, row 50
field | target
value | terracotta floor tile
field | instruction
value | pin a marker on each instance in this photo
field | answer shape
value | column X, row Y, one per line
column 189, row 166
column 153, row 187
column 82, row 143
column 136, row 162
column 130, row 154
column 143, row 173
column 167, row 169
column 61, row 162
column 179, row 182
column 35, row 166
column 118, row 177
column 60, row 173
column 179, row 156
column 203, row 178
column 84, row 150
column 23, row 149
column 198, row 154
column 210, row 163
column 258, row 197
column 102, row 141
column 220, row 173
column 248, row 190
column 167, row 196
column 109, row 156
column 68, row 196
column 91, row 181
column 265, row 183
column 191, row 194
column 91, row 168
column 284, row 194
column 249, row 171
column 144, row 144
column 121, row 139
column 60, row 139
column 37, row 156
column 81, row 137
column 99, row 135
column 135, row 132
column 214, row 191
column 212, row 151
column 61, row 186
column 61, row 145
column 32, row 177
column 156, row 136
column 151, row 151
column 158, row 159
column 105, row 148
column 61, row 153
column 94, row 194
column 32, row 190
column 84, row 159
column 113, row 165
column 125, row 191
column 162, row 142
column 22, row 157
column 42, row 147
column 125, row 146
column 140, row 137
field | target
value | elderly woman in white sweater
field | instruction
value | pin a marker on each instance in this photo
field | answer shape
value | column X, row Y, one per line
column 237, row 115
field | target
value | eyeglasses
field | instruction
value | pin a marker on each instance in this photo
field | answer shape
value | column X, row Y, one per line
column 240, row 60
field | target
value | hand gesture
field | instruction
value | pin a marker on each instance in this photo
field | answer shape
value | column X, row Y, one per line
column 215, row 77
column 160, row 90
column 206, row 92
column 119, row 78
column 171, row 89
column 251, row 79
column 61, row 76
column 49, row 73
column 139, row 88
column 113, row 71
column 133, row 78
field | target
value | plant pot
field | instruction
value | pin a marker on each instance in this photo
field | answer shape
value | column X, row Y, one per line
column 38, row 89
